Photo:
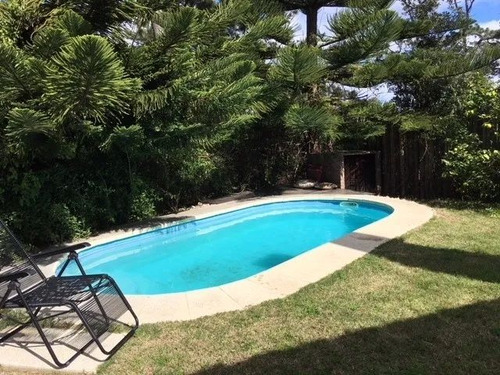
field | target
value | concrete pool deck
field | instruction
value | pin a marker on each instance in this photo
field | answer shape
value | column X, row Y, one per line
column 277, row 282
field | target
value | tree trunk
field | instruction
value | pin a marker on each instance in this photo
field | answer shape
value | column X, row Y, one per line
column 312, row 25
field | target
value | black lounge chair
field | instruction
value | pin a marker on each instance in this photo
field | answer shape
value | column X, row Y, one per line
column 89, row 307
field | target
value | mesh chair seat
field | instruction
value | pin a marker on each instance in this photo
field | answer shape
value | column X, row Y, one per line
column 59, row 290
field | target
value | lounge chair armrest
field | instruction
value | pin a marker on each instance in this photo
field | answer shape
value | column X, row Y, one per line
column 64, row 250
column 13, row 276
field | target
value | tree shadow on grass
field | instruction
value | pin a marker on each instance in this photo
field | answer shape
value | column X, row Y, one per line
column 463, row 340
column 479, row 266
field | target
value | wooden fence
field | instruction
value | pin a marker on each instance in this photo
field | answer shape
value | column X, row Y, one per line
column 412, row 165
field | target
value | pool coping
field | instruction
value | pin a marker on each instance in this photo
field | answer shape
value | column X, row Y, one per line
column 278, row 281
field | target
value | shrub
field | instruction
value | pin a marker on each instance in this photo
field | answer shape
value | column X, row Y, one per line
column 475, row 171
column 47, row 224
column 143, row 202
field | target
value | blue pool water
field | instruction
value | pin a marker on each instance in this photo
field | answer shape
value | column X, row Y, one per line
column 224, row 248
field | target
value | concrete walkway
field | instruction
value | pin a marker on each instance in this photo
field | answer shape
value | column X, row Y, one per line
column 277, row 282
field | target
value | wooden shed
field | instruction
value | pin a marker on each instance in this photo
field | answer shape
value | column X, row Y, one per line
column 353, row 170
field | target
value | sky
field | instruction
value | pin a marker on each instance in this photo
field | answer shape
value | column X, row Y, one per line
column 485, row 12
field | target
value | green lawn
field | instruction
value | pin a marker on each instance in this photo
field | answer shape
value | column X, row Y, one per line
column 427, row 303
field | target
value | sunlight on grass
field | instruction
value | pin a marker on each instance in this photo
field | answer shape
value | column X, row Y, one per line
column 425, row 303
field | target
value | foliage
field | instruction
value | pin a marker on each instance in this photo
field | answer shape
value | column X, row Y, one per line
column 118, row 110
column 474, row 170
column 365, row 121
column 478, row 103
column 61, row 94
column 86, row 81
column 472, row 161
column 442, row 90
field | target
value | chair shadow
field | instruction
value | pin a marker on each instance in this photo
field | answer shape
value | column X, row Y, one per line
column 463, row 340
column 478, row 266
column 34, row 346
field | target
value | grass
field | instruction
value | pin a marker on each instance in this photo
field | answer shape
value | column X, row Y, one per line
column 426, row 303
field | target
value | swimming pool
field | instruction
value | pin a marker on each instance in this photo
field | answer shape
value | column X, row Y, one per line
column 220, row 249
